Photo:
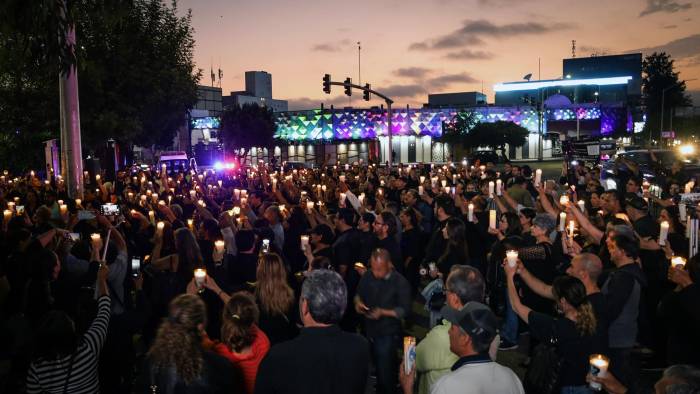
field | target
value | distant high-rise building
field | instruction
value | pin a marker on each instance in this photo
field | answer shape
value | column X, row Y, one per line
column 258, row 90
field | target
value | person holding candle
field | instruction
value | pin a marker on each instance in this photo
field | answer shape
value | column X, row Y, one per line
column 676, row 229
column 384, row 238
column 679, row 312
column 321, row 242
column 456, row 251
column 275, row 299
column 574, row 333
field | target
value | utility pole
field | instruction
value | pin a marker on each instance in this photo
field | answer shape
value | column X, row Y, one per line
column 71, row 144
column 359, row 63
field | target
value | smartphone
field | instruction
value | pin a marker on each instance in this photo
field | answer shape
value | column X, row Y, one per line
column 109, row 209
column 75, row 237
column 135, row 266
column 266, row 246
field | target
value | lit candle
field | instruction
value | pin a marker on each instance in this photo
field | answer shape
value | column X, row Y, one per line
column 562, row 221
column 581, row 205
column 193, row 193
column 160, row 226
column 11, row 205
column 162, row 203
column 361, row 197
column 564, row 200
column 236, row 211
column 97, row 177
column 422, row 179
column 143, row 198
column 64, row 209
column 60, row 202
column 78, row 201
column 237, row 193
column 664, row 233
column 304, row 242
column 491, row 188
column 512, row 256
column 682, row 211
column 7, row 214
column 200, row 275
column 470, row 215
column 219, row 245
column 152, row 216
column 95, row 237
column 572, row 227
column 447, row 190
column 421, row 189
column 323, row 188
column 220, row 182
column 443, row 182
column 170, row 199
column 274, row 184
column 154, row 198
column 538, row 176
column 599, row 367
column 31, row 173
column 190, row 224
column 149, row 193
column 492, row 218
column 499, row 187
column 678, row 262
column 309, row 205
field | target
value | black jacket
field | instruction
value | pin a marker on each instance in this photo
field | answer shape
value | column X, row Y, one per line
column 320, row 360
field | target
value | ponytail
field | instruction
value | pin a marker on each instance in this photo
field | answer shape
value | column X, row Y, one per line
column 586, row 320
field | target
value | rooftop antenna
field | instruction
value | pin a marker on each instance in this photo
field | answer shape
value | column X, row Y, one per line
column 573, row 48
column 221, row 72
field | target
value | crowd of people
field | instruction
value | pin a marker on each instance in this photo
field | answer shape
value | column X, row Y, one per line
column 280, row 280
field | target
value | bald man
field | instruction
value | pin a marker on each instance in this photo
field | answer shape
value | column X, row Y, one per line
column 587, row 268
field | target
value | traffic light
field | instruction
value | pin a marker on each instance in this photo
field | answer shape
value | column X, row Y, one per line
column 365, row 93
column 348, row 89
column 327, row 83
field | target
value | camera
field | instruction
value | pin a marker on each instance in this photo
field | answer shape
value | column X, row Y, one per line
column 135, row 266
column 109, row 210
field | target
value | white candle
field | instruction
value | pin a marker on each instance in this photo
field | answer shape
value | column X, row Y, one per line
column 237, row 193
column 682, row 211
column 160, row 226
column 152, row 216
column 443, row 182
column 219, row 245
column 562, row 221
column 190, row 224
column 582, row 205
column 564, row 200
column 63, row 208
column 470, row 214
column 491, row 188
column 97, row 177
column 421, row 190
column 512, row 256
column 678, row 262
column 220, row 182
column 447, row 190
column 572, row 227
column 11, row 205
column 309, row 205
column 538, row 176
column 236, row 211
column 95, row 237
column 199, row 275
column 361, row 197
column 274, row 184
column 170, row 199
column 664, row 233
column 492, row 218
column 161, row 203
column 599, row 367
column 304, row 242
column 422, row 179
column 60, row 202
column 499, row 187
column 78, row 201
column 7, row 214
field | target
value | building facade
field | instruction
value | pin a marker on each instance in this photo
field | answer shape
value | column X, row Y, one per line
column 258, row 90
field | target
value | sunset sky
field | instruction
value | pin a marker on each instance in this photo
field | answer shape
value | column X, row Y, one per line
column 411, row 48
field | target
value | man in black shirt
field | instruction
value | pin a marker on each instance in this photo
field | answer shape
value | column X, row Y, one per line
column 383, row 298
column 384, row 231
column 323, row 359
column 444, row 209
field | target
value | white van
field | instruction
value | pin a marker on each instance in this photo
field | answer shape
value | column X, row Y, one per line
column 176, row 162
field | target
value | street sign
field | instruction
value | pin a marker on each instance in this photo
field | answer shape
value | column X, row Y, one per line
column 668, row 134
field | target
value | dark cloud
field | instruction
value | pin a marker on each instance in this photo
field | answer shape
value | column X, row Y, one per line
column 668, row 6
column 331, row 46
column 682, row 48
column 466, row 54
column 473, row 32
column 412, row 72
column 445, row 81
column 411, row 90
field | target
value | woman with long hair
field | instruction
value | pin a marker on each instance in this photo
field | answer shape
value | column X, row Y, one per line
column 177, row 362
column 275, row 299
column 676, row 229
column 184, row 259
column 242, row 342
column 508, row 226
column 575, row 334
column 457, row 251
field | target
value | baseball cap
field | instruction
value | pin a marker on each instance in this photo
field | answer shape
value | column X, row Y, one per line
column 636, row 202
column 475, row 318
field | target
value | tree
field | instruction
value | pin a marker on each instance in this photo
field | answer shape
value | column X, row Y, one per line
column 462, row 123
column 658, row 75
column 496, row 135
column 135, row 62
column 247, row 127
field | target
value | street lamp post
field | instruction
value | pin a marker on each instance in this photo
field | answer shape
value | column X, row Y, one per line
column 663, row 98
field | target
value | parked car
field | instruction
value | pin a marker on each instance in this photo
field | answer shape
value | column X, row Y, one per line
column 652, row 169
column 485, row 156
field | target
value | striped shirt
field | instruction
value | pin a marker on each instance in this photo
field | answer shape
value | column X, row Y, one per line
column 49, row 376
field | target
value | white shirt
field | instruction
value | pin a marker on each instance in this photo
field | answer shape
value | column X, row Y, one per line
column 479, row 378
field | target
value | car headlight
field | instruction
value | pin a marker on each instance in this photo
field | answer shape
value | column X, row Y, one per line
column 686, row 149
